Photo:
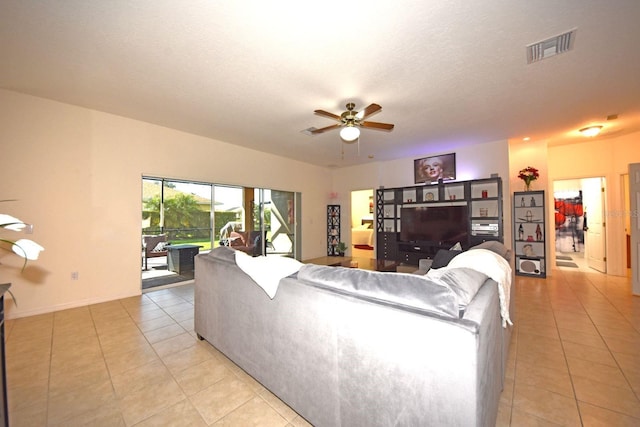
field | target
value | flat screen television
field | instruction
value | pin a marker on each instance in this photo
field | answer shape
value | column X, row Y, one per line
column 443, row 225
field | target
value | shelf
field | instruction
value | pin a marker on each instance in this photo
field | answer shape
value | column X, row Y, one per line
column 529, row 238
column 333, row 229
column 483, row 198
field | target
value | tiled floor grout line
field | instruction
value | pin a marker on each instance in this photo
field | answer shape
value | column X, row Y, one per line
column 625, row 375
column 598, row 304
column 187, row 397
column 602, row 337
column 562, row 344
column 611, row 352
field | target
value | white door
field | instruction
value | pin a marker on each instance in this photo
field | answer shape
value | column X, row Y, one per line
column 593, row 202
column 634, row 193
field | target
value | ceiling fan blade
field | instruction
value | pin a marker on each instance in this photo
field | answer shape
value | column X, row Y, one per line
column 324, row 129
column 327, row 114
column 377, row 125
column 371, row 109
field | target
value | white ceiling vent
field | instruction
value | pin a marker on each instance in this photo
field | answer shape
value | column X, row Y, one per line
column 550, row 47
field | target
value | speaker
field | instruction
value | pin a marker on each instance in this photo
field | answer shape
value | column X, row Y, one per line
column 529, row 266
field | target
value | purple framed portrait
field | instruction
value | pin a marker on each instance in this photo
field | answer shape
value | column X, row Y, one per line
column 432, row 169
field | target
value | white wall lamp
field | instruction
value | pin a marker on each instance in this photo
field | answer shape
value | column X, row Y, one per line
column 591, row 131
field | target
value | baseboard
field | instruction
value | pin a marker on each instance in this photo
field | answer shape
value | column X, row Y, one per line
column 12, row 314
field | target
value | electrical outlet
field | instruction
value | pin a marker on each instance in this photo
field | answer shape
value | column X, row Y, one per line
column 74, row 275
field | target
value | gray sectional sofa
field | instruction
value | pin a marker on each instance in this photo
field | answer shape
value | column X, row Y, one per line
column 348, row 347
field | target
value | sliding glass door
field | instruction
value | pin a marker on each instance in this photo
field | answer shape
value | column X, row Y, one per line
column 178, row 209
column 178, row 212
column 276, row 217
column 229, row 213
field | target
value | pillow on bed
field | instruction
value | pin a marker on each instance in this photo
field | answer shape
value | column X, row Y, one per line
column 465, row 282
column 442, row 258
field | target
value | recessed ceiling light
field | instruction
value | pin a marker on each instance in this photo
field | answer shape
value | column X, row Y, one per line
column 591, row 131
column 526, row 138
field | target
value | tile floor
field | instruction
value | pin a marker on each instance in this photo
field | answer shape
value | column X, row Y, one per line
column 574, row 360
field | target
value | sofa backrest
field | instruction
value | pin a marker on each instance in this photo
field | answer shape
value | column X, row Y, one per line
column 405, row 290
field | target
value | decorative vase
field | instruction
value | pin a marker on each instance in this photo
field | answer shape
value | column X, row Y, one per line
column 527, row 186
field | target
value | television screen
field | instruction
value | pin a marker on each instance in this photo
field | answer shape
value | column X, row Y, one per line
column 440, row 224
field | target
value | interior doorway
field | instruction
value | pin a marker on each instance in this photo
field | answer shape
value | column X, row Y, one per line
column 580, row 241
column 363, row 233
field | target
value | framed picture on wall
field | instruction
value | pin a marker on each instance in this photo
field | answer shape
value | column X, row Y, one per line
column 431, row 169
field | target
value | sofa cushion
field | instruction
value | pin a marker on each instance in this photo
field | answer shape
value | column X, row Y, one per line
column 456, row 247
column 160, row 247
column 443, row 256
column 223, row 253
column 495, row 246
column 399, row 289
column 496, row 267
column 238, row 238
column 465, row 282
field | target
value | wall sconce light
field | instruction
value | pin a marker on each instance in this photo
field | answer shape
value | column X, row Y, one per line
column 591, row 131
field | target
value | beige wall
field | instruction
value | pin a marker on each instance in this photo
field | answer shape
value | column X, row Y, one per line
column 473, row 162
column 534, row 154
column 609, row 158
column 77, row 176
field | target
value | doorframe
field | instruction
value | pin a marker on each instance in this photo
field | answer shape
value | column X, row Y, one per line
column 603, row 180
column 634, row 201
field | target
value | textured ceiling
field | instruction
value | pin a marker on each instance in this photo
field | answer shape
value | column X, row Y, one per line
column 251, row 73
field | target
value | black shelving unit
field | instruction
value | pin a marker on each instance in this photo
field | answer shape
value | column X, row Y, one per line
column 483, row 197
column 529, row 240
column 333, row 229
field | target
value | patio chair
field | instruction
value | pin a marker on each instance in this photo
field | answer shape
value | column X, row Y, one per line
column 154, row 246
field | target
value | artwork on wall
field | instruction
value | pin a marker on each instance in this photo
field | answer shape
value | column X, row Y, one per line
column 571, row 222
column 431, row 169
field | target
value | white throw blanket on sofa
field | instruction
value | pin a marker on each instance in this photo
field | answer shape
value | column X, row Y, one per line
column 494, row 266
column 267, row 271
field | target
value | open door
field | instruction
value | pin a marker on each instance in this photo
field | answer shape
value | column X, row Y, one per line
column 634, row 193
column 593, row 200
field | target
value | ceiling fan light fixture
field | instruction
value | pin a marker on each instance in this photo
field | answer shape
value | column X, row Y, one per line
column 349, row 133
column 591, row 131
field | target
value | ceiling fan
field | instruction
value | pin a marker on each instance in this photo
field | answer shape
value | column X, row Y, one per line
column 351, row 120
